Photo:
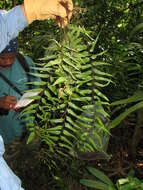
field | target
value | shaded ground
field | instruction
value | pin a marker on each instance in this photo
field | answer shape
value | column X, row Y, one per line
column 25, row 162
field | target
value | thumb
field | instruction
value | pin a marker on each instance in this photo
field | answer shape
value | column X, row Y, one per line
column 61, row 11
column 62, row 22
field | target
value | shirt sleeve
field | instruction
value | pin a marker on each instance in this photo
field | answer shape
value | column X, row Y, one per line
column 11, row 23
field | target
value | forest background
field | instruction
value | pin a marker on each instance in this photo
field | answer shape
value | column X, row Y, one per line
column 104, row 40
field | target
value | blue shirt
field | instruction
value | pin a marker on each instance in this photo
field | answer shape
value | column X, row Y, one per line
column 11, row 23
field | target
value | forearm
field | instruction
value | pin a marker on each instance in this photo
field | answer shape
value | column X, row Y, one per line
column 23, row 9
column 11, row 23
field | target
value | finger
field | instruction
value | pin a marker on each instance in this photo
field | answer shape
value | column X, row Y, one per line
column 7, row 106
column 53, row 16
column 61, row 11
column 62, row 22
column 59, row 21
column 11, row 102
column 69, row 15
column 68, row 4
column 12, row 98
column 12, row 106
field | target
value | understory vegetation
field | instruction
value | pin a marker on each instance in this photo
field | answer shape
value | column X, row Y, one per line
column 85, row 125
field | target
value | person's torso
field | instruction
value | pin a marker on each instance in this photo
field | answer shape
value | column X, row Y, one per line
column 11, row 124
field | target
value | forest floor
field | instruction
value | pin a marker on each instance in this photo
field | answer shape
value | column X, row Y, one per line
column 25, row 161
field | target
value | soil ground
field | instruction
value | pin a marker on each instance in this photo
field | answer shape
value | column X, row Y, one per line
column 25, row 161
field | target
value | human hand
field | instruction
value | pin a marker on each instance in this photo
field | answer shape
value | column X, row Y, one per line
column 7, row 102
column 59, row 10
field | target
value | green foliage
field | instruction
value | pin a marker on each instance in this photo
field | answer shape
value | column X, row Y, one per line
column 69, row 114
column 102, row 182
column 137, row 97
column 130, row 183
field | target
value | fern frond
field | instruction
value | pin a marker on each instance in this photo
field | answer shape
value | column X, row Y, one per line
column 69, row 114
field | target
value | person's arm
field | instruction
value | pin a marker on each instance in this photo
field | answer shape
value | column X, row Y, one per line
column 11, row 23
column 14, row 21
